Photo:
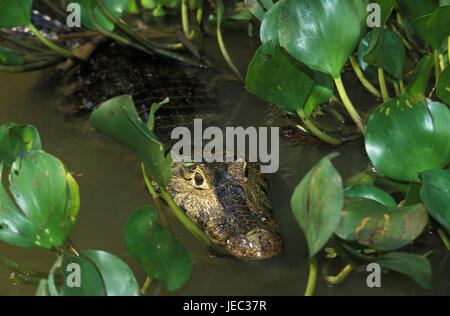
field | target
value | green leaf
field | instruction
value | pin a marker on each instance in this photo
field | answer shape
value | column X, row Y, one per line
column 102, row 274
column 119, row 120
column 9, row 58
column 436, row 196
column 16, row 139
column 407, row 136
column 277, row 78
column 370, row 192
column 387, row 6
column 271, row 23
column 390, row 56
column 381, row 227
column 44, row 202
column 317, row 204
column 414, row 266
column 322, row 33
column 161, row 256
column 443, row 86
column 259, row 8
column 117, row 7
column 15, row 12
column 322, row 91
column 418, row 86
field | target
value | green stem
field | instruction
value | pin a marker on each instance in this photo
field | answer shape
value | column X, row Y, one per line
column 146, row 286
column 437, row 67
column 312, row 280
column 49, row 44
column 184, row 219
column 18, row 269
column 348, row 104
column 444, row 237
column 366, row 83
column 383, row 87
column 31, row 67
column 316, row 131
column 396, row 88
column 223, row 48
column 413, row 194
column 341, row 277
column 185, row 17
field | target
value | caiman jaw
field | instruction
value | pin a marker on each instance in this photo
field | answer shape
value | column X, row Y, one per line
column 257, row 244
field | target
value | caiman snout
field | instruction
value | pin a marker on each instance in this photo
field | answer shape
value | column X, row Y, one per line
column 257, row 244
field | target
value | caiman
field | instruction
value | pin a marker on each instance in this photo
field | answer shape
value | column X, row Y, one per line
column 228, row 201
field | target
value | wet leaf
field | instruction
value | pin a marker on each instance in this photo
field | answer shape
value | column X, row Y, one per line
column 391, row 53
column 381, row 227
column 407, row 136
column 44, row 202
column 15, row 12
column 436, row 196
column 322, row 33
column 16, row 140
column 119, row 120
column 443, row 86
column 370, row 192
column 418, row 85
column 271, row 23
column 161, row 256
column 277, row 78
column 317, row 203
column 117, row 7
column 102, row 274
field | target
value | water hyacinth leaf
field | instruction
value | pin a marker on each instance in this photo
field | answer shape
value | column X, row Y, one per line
column 370, row 192
column 117, row 7
column 277, row 78
column 436, row 196
column 381, row 227
column 322, row 33
column 259, row 7
column 317, row 203
column 15, row 12
column 44, row 202
column 390, row 55
column 271, row 22
column 406, row 136
column 418, row 85
column 161, row 256
column 386, row 6
column 102, row 274
column 119, row 120
column 9, row 58
column 15, row 140
column 443, row 86
column 414, row 266
column 322, row 92
column 417, row 9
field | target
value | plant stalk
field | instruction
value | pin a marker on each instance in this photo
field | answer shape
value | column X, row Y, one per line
column 316, row 131
column 312, row 280
column 366, row 83
column 437, row 67
column 49, row 44
column 146, row 286
column 383, row 87
column 348, row 104
column 341, row 277
column 444, row 237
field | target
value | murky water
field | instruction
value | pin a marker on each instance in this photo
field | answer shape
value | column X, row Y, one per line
column 111, row 187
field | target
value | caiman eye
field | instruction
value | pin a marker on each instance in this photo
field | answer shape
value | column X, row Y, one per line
column 198, row 179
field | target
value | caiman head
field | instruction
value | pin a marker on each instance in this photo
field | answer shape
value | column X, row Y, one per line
column 229, row 202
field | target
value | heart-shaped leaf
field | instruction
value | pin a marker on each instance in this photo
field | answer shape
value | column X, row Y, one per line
column 276, row 77
column 370, row 192
column 317, row 204
column 381, row 227
column 435, row 195
column 15, row 12
column 119, row 120
column 443, row 86
column 161, row 256
column 407, row 136
column 44, row 202
column 322, row 33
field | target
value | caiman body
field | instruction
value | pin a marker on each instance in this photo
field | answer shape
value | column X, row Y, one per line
column 228, row 201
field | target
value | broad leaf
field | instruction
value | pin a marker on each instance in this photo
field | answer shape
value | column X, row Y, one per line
column 15, row 12
column 117, row 7
column 322, row 33
column 271, row 23
column 418, row 86
column 44, row 202
column 407, row 136
column 119, row 120
column 435, row 195
column 381, row 227
column 322, row 92
column 443, row 86
column 370, row 192
column 277, row 78
column 317, row 203
column 161, row 256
